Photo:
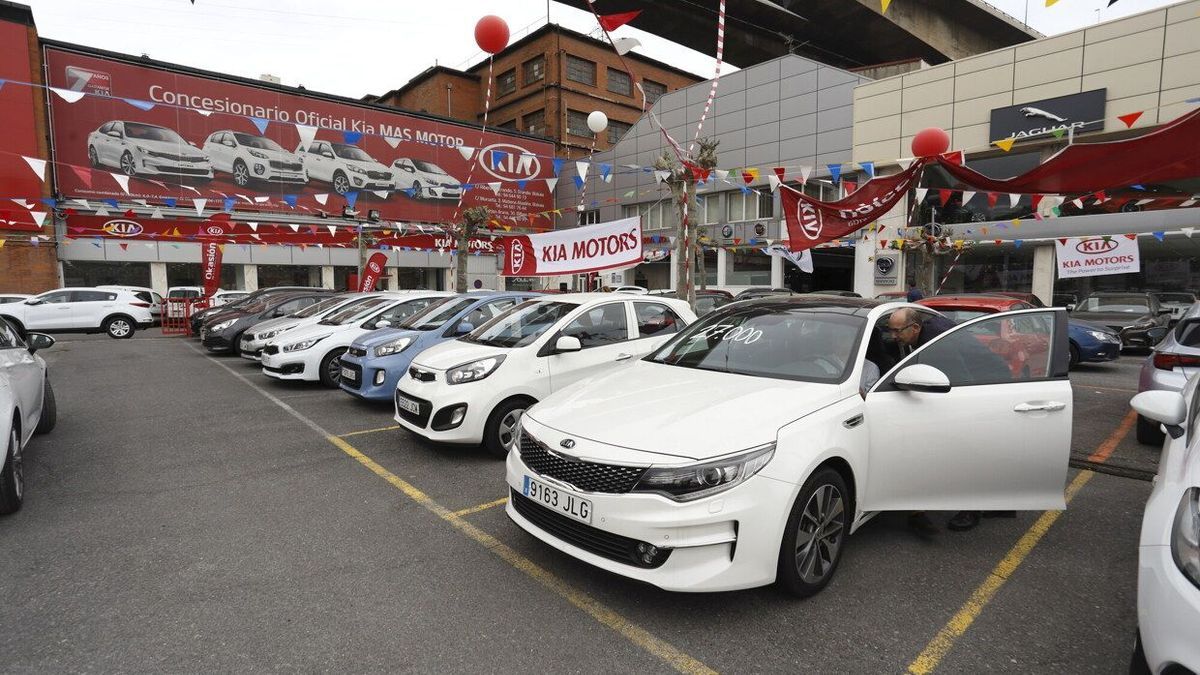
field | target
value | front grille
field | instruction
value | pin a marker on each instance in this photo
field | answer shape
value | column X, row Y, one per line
column 356, row 351
column 379, row 175
column 593, row 540
column 420, row 375
column 270, row 349
column 182, row 170
column 355, row 377
column 286, row 166
column 587, row 476
column 422, row 417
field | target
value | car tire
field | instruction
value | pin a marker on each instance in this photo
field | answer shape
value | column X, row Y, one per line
column 93, row 157
column 1148, row 432
column 497, row 433
column 127, row 165
column 12, row 478
column 822, row 512
column 416, row 186
column 119, row 327
column 341, row 184
column 331, row 368
column 241, row 174
column 1074, row 358
column 49, row 411
column 1137, row 660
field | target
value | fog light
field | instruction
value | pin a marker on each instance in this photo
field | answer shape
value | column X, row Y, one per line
column 380, row 375
column 358, row 181
column 449, row 417
column 457, row 416
column 259, row 169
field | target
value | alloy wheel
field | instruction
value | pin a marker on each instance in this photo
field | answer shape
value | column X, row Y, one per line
column 416, row 190
column 819, row 533
column 127, row 165
column 341, row 185
column 93, row 158
column 119, row 328
column 334, row 369
column 241, row 175
column 18, row 467
column 508, row 427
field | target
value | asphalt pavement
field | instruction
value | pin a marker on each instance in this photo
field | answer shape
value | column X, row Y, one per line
column 189, row 514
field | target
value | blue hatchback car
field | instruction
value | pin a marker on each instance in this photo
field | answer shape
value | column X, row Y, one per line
column 374, row 363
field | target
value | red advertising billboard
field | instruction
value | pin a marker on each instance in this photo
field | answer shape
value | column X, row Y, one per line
column 187, row 136
column 18, row 180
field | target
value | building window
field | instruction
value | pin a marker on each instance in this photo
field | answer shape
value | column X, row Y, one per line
column 619, row 82
column 535, row 69
column 748, row 269
column 741, row 206
column 510, row 125
column 535, row 122
column 653, row 90
column 581, row 70
column 709, row 209
column 506, row 82
column 577, row 124
column 655, row 215
column 616, row 130
column 589, row 217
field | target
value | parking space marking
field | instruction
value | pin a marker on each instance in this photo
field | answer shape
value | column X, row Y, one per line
column 940, row 645
column 600, row 612
column 370, row 431
column 482, row 507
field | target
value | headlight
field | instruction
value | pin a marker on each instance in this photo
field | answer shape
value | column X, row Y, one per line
column 303, row 344
column 356, row 169
column 1185, row 535
column 223, row 325
column 475, row 370
column 394, row 347
column 256, row 153
column 685, row 483
column 272, row 333
column 1100, row 335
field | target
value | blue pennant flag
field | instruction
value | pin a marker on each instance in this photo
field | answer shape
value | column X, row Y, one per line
column 291, row 200
column 498, row 157
column 578, row 182
column 111, row 202
column 745, row 190
column 2, row 83
column 411, row 192
column 869, row 167
column 139, row 104
column 558, row 165
column 351, row 137
column 351, row 197
column 595, row 203
column 605, row 169
column 170, row 201
column 1017, row 243
column 467, row 187
column 50, row 202
column 1159, row 235
column 385, row 247
column 260, row 124
column 835, row 172
column 521, row 184
column 228, row 204
column 1139, row 186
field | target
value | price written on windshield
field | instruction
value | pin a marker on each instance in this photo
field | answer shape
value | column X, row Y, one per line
column 730, row 333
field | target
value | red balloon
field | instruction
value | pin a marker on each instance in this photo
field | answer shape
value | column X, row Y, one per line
column 930, row 142
column 491, row 34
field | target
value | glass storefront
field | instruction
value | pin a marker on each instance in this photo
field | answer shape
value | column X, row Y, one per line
column 747, row 269
column 99, row 273
column 189, row 274
column 286, row 275
column 981, row 268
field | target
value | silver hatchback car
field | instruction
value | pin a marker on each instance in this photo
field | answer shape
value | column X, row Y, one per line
column 1176, row 357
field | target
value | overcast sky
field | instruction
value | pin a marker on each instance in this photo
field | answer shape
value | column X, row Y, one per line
column 356, row 47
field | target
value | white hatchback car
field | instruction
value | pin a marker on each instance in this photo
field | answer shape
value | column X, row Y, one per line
column 140, row 149
column 425, row 179
column 474, row 389
column 347, row 168
column 257, row 337
column 248, row 158
column 313, row 353
column 1168, row 603
column 747, row 448
column 26, row 407
column 81, row 310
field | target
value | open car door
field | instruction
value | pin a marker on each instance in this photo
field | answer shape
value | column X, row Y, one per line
column 958, row 425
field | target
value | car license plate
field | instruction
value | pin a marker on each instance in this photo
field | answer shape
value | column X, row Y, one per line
column 408, row 404
column 559, row 500
column 348, row 374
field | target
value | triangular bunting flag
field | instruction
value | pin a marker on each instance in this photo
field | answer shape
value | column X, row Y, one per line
column 307, row 134
column 1013, row 199
column 351, row 198
column 84, row 175
column 124, row 246
column 551, row 183
column 122, row 180
column 722, row 174
column 661, row 175
column 992, row 198
column 495, row 186
column 466, row 151
column 1187, row 231
column 581, row 168
column 611, row 22
column 921, row 192
column 253, row 226
column 805, row 172
column 39, row 217
column 905, row 163
column 1130, row 119
column 351, row 137
column 883, row 6
column 199, row 204
column 67, row 95
column 321, row 198
column 260, row 123
column 38, row 166
column 835, row 172
column 967, row 195
column 1058, row 132
column 623, row 45
column 382, row 194
column 157, row 213
column 1005, row 144
column 869, row 167
column 332, row 230
column 773, row 180
column 945, row 196
column 391, row 141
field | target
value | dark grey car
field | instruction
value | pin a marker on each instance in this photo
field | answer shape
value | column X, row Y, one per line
column 1133, row 315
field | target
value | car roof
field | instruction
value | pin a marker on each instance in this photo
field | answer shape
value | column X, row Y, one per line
column 971, row 300
column 1110, row 294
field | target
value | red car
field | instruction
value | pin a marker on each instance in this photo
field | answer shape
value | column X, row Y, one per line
column 1024, row 347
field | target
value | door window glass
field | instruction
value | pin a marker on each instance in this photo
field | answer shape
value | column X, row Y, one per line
column 92, row 296
column 485, row 313
column 54, row 298
column 401, row 311
column 655, row 319
column 603, row 325
column 996, row 350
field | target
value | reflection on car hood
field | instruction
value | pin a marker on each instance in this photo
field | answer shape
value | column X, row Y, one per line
column 657, row 408
column 1089, row 325
column 455, row 353
column 311, row 331
column 271, row 324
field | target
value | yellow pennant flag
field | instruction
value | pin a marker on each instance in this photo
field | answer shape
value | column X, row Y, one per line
column 885, row 4
column 1005, row 144
column 1016, row 222
column 1050, row 3
column 2, row 242
column 900, row 244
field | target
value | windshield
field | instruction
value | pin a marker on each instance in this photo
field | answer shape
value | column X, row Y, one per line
column 355, row 311
column 351, row 152
column 812, row 344
column 1130, row 304
column 258, row 305
column 429, row 167
column 317, row 308
column 520, row 325
column 146, row 132
column 960, row 315
column 261, row 142
column 1175, row 297
column 438, row 315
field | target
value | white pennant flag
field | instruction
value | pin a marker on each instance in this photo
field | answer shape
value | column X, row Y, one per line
column 551, row 183
column 1140, row 202
column 205, row 113
column 495, row 186
column 623, row 45
column 805, row 172
column 392, row 141
column 122, row 180
column 157, row 213
column 253, row 227
column 295, row 228
column 247, row 199
column 322, row 198
column 1078, row 203
column 67, row 95
column 1187, row 202
column 38, row 166
column 199, row 204
column 256, row 237
column 661, row 175
column 261, row 200
column 774, row 181
column 82, row 202
column 722, row 174
column 1187, row 231
column 466, row 151
column 582, row 168
column 143, row 202
column 332, row 230
column 39, row 217
column 905, row 163
column 103, row 212
column 1012, row 200
column 189, row 187
column 307, row 134
column 921, row 192
column 967, row 195
column 608, row 178
column 22, row 203
column 382, row 194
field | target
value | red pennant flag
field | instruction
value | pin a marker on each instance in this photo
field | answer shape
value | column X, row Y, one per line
column 883, row 243
column 1063, row 242
column 1131, row 237
column 1129, row 119
column 992, row 197
column 778, row 173
column 611, row 22
column 124, row 246
column 1036, row 199
column 955, row 157
column 84, row 174
column 851, row 186
column 130, row 214
column 998, row 242
column 1100, row 196
column 945, row 195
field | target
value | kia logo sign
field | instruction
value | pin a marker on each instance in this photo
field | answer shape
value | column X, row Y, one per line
column 373, row 266
column 1096, row 246
column 215, row 229
column 518, row 255
column 122, row 228
column 509, row 162
column 809, row 218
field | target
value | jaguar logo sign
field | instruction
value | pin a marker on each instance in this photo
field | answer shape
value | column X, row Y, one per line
column 509, row 162
column 885, row 265
column 122, row 228
column 809, row 218
column 516, row 255
column 1096, row 246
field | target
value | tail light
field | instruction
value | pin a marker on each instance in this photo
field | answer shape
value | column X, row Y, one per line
column 1164, row 361
column 140, row 304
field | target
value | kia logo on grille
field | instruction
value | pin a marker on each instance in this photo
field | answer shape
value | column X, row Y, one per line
column 518, row 255
column 215, row 229
column 122, row 228
column 509, row 162
column 1096, row 246
column 567, row 443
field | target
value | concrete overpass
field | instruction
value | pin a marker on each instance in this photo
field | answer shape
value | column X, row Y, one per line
column 843, row 33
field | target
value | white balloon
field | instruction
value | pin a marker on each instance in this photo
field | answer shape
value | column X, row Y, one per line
column 597, row 121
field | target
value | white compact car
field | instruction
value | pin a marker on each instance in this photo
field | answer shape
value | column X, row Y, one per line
column 1168, row 603
column 474, row 389
column 426, row 179
column 26, row 407
column 257, row 337
column 139, row 149
column 346, row 167
column 313, row 353
column 81, row 310
column 747, row 448
column 247, row 158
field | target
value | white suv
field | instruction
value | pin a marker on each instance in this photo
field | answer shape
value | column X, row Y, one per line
column 425, row 179
column 139, row 149
column 81, row 310
column 347, row 167
column 253, row 158
column 146, row 295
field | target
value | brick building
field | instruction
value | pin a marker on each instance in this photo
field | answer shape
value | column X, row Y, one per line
column 546, row 83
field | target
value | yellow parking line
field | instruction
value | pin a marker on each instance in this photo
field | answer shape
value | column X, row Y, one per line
column 481, row 507
column 370, row 431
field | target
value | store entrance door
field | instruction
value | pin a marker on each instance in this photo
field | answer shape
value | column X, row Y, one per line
column 833, row 270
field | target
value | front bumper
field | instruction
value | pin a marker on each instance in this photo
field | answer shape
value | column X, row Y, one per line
column 289, row 366
column 1099, row 351
column 440, row 192
column 155, row 166
column 361, row 182
column 218, row 342
column 373, row 379
column 434, row 397
column 1135, row 337
column 1168, row 611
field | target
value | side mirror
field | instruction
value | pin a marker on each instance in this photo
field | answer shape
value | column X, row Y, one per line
column 567, row 343
column 466, row 327
column 38, row 341
column 1165, row 407
column 34, row 301
column 327, row 155
column 921, row 377
column 383, row 323
column 115, row 134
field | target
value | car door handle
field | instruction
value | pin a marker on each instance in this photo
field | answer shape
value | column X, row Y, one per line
column 1048, row 406
column 852, row 422
column 624, row 357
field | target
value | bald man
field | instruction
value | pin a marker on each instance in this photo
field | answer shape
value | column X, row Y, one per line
column 913, row 330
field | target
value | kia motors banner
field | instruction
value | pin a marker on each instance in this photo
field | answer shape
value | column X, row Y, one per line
column 174, row 135
column 210, row 265
column 372, row 271
column 1094, row 256
column 574, row 251
column 811, row 222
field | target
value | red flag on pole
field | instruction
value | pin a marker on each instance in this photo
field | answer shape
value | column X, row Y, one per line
column 210, row 263
column 611, row 22
column 372, row 271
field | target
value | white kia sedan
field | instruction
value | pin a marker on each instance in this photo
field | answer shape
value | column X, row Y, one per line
column 473, row 390
column 257, row 337
column 314, row 352
column 747, row 448
column 1168, row 604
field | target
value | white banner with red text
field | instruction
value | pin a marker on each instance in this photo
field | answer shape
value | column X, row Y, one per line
column 1095, row 256
column 574, row 251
